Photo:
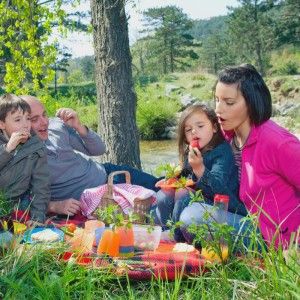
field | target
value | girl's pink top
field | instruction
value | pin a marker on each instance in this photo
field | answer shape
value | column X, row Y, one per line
column 270, row 180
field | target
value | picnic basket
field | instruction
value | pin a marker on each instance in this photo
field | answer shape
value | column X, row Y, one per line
column 141, row 206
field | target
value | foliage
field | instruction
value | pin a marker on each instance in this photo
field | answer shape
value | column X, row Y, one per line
column 251, row 30
column 168, row 170
column 168, row 37
column 154, row 113
column 24, row 31
column 81, row 93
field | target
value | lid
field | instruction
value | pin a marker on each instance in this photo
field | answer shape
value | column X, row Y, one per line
column 221, row 198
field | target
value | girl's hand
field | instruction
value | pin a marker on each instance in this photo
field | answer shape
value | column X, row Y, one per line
column 18, row 137
column 196, row 161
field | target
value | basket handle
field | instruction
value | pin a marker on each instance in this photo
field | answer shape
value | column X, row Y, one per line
column 110, row 180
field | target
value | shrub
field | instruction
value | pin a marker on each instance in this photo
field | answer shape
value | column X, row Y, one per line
column 288, row 68
column 154, row 114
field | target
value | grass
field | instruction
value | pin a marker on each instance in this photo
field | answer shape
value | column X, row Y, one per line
column 40, row 274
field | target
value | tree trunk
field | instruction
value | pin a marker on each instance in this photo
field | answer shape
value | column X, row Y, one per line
column 115, row 91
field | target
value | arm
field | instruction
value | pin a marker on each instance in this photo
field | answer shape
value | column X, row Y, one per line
column 7, row 150
column 288, row 162
column 40, row 187
column 82, row 139
column 5, row 156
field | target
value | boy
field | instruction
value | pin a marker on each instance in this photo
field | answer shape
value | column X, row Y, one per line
column 23, row 158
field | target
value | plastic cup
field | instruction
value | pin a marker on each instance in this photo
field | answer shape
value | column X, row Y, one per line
column 98, row 235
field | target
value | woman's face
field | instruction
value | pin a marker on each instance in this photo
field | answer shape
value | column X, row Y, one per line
column 231, row 107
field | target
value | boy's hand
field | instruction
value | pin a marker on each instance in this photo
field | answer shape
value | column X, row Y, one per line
column 196, row 161
column 18, row 137
column 70, row 117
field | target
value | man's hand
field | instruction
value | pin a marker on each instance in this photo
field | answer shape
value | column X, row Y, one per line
column 196, row 161
column 70, row 117
column 64, row 207
column 18, row 137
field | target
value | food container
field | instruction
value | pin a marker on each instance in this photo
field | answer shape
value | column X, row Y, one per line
column 146, row 237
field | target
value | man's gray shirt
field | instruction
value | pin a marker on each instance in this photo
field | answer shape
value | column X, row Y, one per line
column 73, row 171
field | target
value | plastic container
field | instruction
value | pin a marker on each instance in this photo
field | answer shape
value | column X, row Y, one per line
column 221, row 202
column 146, row 237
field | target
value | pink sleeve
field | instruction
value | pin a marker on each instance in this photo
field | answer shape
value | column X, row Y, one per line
column 288, row 160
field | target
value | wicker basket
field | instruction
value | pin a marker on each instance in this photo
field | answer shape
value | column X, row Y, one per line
column 141, row 206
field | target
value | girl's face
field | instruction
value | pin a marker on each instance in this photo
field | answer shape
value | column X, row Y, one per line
column 198, row 127
column 231, row 107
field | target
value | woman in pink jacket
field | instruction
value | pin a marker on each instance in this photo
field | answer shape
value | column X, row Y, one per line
column 267, row 155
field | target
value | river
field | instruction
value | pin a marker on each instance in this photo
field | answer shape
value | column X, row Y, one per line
column 155, row 153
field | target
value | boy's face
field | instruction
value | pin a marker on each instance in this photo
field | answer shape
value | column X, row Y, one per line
column 16, row 122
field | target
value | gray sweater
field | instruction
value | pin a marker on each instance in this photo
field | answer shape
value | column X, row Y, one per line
column 71, row 168
column 26, row 169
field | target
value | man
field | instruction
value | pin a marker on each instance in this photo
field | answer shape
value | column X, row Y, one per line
column 69, row 147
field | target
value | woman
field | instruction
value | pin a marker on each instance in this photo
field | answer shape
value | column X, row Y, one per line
column 267, row 155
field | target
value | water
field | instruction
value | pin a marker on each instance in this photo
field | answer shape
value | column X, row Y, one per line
column 155, row 153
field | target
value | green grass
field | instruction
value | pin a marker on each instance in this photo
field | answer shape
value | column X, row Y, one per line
column 40, row 274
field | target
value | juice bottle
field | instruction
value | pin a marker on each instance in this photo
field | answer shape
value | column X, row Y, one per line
column 114, row 244
column 221, row 202
column 126, row 248
column 104, row 242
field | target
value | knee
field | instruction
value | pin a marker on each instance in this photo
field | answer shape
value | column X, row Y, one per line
column 194, row 214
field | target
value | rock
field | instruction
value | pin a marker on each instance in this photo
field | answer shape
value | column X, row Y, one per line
column 171, row 88
column 172, row 135
column 187, row 100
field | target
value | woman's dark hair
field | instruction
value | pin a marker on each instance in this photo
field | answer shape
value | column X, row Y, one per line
column 211, row 115
column 253, row 88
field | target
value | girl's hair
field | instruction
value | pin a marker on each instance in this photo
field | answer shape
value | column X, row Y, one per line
column 253, row 88
column 11, row 103
column 211, row 115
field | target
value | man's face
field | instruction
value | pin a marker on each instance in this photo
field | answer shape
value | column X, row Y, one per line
column 39, row 119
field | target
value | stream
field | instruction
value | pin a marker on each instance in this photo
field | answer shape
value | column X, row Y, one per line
column 155, row 153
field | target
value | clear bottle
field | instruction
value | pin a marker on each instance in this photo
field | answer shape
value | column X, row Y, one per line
column 221, row 202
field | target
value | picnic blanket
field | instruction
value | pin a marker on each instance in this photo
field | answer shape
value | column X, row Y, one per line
column 123, row 193
column 164, row 264
column 161, row 264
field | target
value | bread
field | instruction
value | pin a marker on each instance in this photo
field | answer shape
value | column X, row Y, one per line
column 46, row 235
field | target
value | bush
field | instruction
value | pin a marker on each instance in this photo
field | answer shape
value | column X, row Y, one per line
column 84, row 93
column 154, row 114
column 288, row 68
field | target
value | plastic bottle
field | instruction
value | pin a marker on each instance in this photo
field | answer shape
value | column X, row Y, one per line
column 221, row 202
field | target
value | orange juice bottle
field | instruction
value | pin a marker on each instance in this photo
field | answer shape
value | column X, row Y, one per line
column 126, row 248
column 113, row 247
column 104, row 242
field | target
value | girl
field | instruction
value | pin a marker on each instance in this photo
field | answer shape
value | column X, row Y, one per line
column 210, row 164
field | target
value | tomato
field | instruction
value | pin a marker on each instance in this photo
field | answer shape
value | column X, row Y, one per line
column 194, row 144
column 171, row 181
column 71, row 227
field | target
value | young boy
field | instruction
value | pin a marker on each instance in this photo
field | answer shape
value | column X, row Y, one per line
column 23, row 158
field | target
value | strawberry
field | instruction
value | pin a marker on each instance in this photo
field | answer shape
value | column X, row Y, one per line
column 71, row 227
column 194, row 144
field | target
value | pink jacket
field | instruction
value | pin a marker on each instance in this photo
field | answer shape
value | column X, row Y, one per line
column 270, row 180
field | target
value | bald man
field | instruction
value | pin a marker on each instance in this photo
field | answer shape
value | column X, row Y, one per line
column 70, row 145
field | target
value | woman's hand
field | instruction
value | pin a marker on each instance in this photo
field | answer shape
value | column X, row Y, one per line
column 196, row 161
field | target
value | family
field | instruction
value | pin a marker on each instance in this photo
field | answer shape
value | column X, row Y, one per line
column 240, row 153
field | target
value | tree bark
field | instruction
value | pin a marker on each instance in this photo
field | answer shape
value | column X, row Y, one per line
column 115, row 90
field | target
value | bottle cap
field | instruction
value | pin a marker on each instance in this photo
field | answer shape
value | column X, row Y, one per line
column 221, row 198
